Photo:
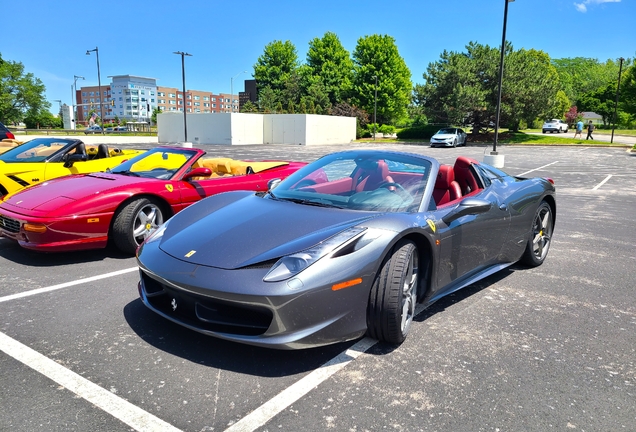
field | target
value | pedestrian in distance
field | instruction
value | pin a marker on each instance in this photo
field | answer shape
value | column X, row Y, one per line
column 579, row 129
column 590, row 129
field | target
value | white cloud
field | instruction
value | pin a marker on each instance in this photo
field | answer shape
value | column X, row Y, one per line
column 582, row 7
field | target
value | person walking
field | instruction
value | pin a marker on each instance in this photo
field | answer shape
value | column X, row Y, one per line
column 579, row 129
column 590, row 129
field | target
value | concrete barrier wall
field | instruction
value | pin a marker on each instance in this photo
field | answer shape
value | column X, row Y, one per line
column 239, row 128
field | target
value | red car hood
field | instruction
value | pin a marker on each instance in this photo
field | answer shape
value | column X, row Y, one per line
column 53, row 194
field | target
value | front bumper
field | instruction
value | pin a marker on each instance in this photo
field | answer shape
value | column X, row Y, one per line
column 61, row 235
column 237, row 305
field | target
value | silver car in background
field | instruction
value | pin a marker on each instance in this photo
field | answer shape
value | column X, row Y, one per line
column 449, row 137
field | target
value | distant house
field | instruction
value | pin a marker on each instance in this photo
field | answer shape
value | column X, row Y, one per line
column 588, row 115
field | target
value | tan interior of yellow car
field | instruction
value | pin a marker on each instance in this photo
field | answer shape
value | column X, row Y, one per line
column 225, row 167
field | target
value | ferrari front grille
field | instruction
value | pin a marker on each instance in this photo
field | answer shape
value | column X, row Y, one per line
column 204, row 312
column 8, row 224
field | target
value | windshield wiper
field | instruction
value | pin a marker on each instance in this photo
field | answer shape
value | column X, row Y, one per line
column 311, row 202
column 127, row 172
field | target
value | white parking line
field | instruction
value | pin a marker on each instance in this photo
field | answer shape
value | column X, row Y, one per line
column 117, row 407
column 291, row 394
column 282, row 400
column 65, row 285
column 537, row 169
column 602, row 183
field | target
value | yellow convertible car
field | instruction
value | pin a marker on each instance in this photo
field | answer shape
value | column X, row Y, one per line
column 45, row 158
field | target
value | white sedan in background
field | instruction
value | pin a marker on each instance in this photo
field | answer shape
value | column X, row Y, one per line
column 555, row 125
column 449, row 137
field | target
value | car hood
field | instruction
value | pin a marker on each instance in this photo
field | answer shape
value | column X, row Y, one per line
column 239, row 229
column 53, row 194
column 444, row 136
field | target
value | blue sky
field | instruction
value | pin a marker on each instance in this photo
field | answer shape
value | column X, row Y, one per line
column 227, row 37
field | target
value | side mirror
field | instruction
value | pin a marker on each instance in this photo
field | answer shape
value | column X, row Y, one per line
column 469, row 206
column 273, row 183
column 70, row 159
column 197, row 172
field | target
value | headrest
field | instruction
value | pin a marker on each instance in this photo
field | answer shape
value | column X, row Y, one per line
column 445, row 177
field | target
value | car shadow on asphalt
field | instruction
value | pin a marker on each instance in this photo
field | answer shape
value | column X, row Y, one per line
column 217, row 353
column 446, row 302
column 11, row 251
column 206, row 350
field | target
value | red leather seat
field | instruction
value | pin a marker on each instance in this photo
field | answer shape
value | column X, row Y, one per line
column 446, row 188
column 464, row 175
column 368, row 180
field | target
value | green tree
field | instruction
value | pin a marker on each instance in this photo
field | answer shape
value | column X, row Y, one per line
column 249, row 107
column 531, row 88
column 330, row 63
column 601, row 101
column 582, row 75
column 628, row 92
column 153, row 117
column 378, row 56
column 276, row 65
column 462, row 88
column 36, row 119
column 267, row 99
column 20, row 93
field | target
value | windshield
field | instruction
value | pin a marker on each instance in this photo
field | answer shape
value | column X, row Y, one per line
column 446, row 131
column 36, row 150
column 159, row 163
column 359, row 180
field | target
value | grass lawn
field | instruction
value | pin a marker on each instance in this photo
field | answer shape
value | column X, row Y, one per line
column 626, row 132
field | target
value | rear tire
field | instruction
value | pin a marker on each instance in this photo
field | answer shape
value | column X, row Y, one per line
column 134, row 223
column 393, row 295
column 540, row 236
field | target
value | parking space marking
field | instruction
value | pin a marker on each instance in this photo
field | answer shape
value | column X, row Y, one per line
column 537, row 169
column 291, row 394
column 117, row 407
column 602, row 183
column 66, row 284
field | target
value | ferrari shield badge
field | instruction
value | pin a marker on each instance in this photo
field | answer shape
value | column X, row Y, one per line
column 189, row 254
column 431, row 224
column 169, row 187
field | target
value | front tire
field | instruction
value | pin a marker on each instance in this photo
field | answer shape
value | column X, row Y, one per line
column 540, row 236
column 134, row 223
column 393, row 295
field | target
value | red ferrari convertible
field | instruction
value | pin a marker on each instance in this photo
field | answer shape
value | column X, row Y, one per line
column 129, row 202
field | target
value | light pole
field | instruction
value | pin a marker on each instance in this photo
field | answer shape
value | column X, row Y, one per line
column 618, row 88
column 375, row 104
column 232, row 88
column 99, row 84
column 499, row 161
column 185, row 124
column 74, row 98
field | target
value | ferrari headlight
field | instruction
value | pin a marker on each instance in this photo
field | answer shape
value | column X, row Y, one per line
column 293, row 264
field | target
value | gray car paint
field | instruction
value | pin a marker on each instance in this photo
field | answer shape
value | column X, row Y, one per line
column 306, row 311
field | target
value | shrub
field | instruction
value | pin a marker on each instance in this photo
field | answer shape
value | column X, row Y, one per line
column 387, row 129
column 418, row 132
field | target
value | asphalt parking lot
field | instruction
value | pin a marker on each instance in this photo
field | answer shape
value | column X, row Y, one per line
column 549, row 348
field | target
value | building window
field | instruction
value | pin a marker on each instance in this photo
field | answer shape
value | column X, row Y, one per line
column 197, row 97
column 197, row 103
column 172, row 95
column 213, row 99
column 213, row 105
column 206, row 98
column 171, row 102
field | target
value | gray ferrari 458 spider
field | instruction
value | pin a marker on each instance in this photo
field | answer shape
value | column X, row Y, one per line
column 345, row 246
